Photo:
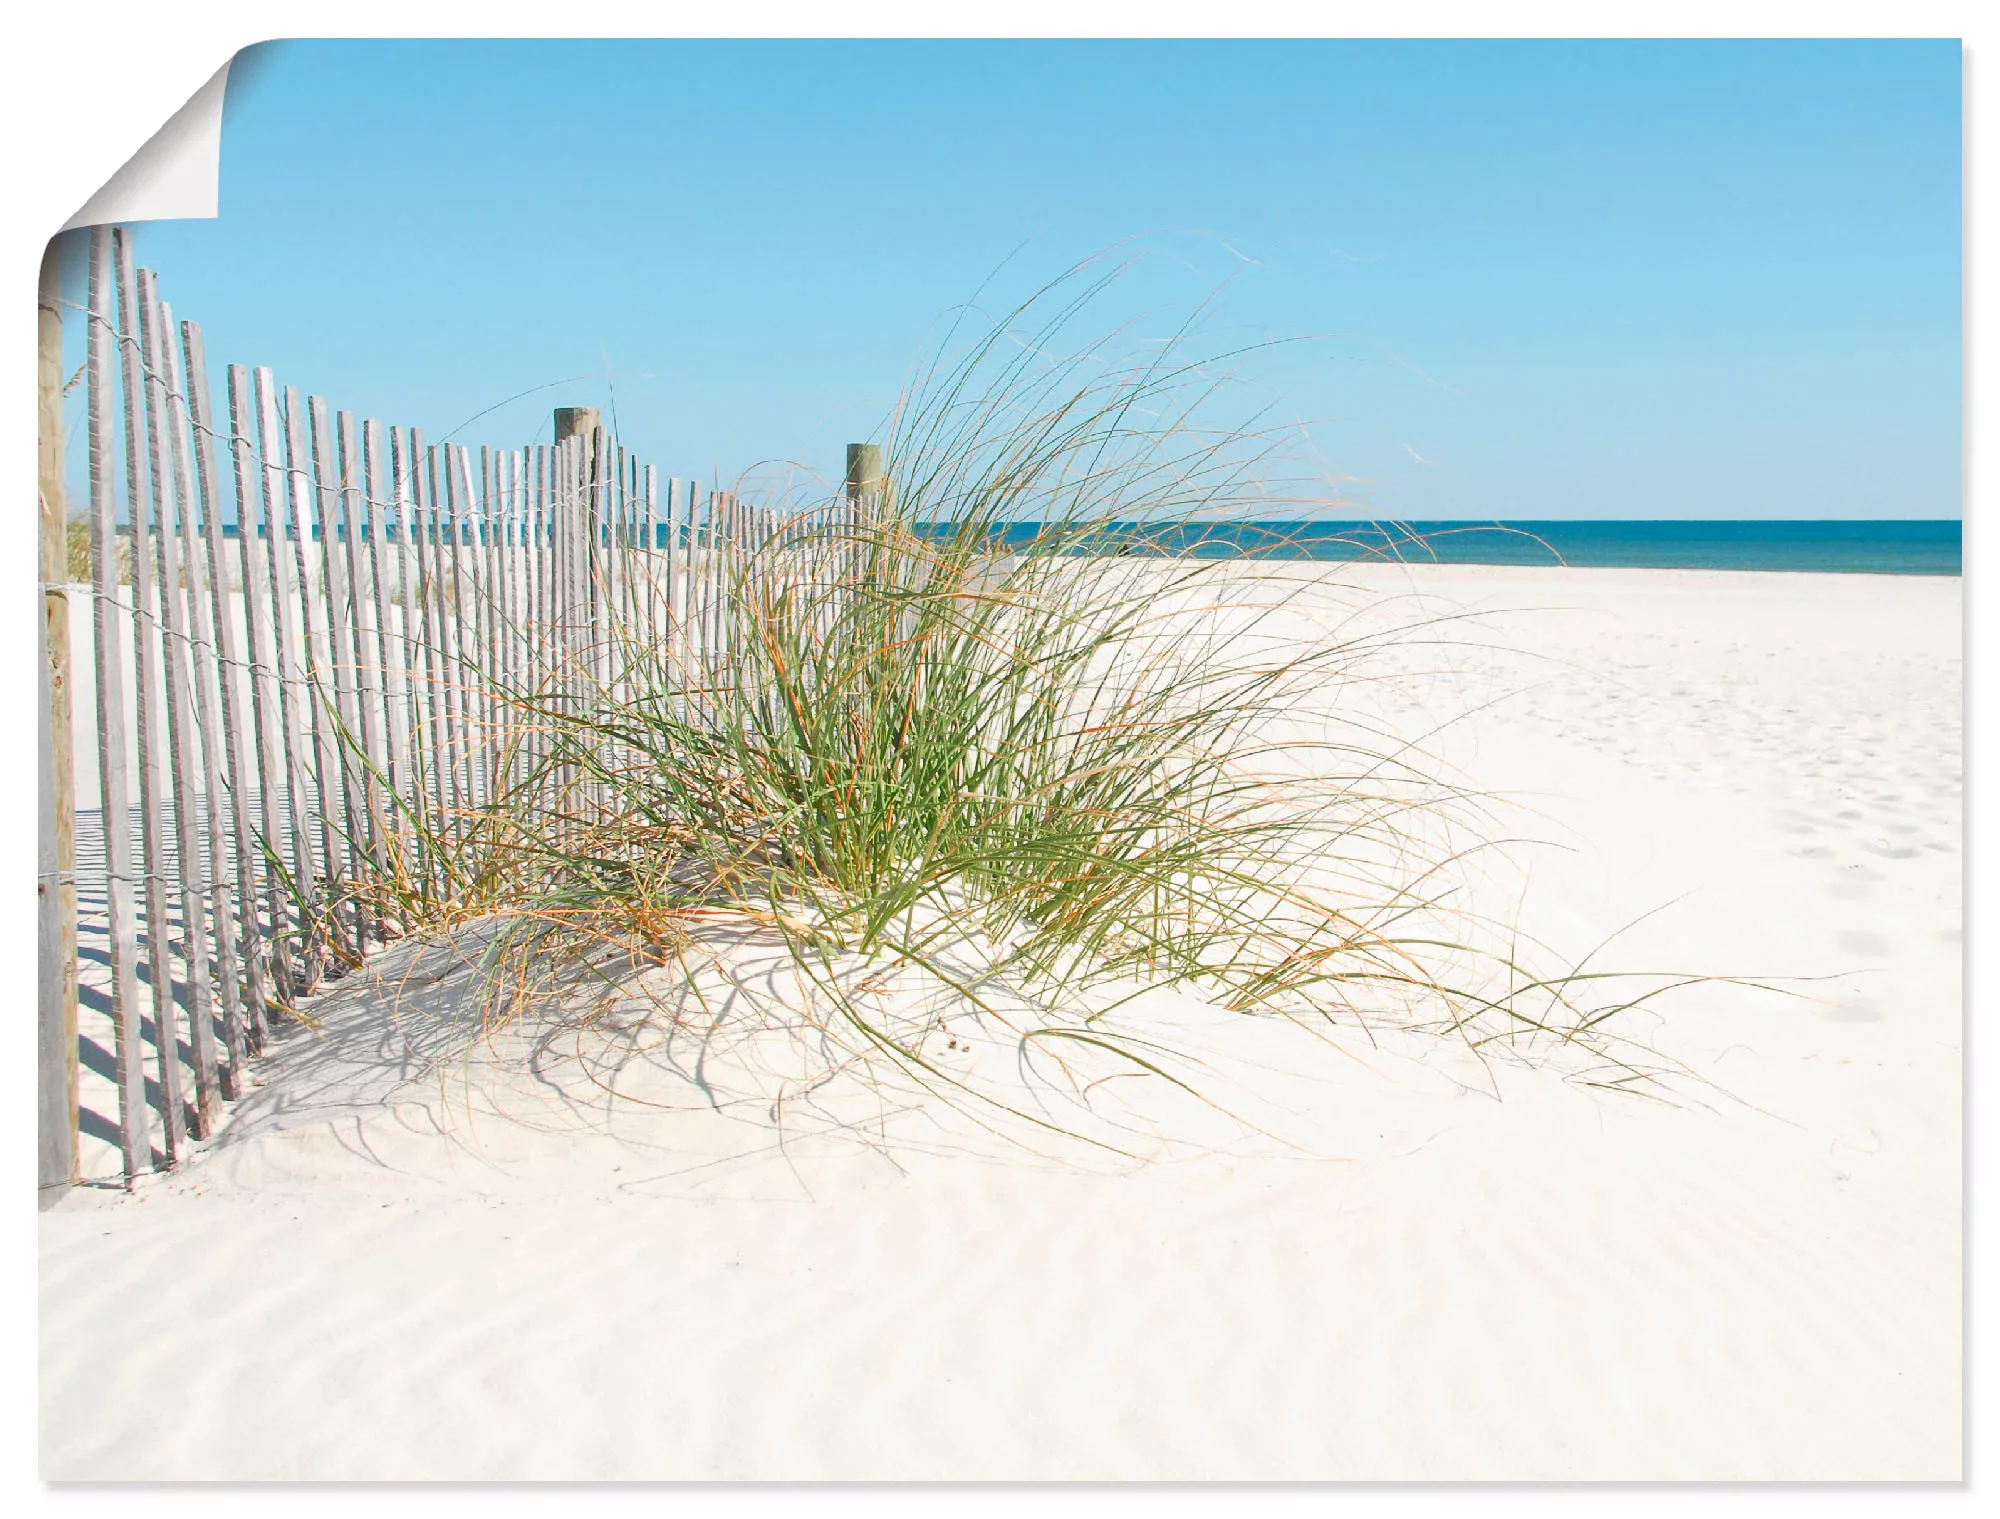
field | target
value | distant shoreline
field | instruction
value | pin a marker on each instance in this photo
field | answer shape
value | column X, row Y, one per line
column 1899, row 546
column 1923, row 546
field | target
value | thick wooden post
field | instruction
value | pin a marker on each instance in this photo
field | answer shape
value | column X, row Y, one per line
column 577, row 431
column 56, row 852
column 584, row 424
column 864, row 473
column 864, row 496
column 577, row 422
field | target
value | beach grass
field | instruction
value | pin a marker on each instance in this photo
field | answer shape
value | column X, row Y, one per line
column 1035, row 778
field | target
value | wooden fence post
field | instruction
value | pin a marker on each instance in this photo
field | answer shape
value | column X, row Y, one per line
column 584, row 424
column 577, row 422
column 864, row 495
column 56, row 850
column 864, row 473
column 577, row 429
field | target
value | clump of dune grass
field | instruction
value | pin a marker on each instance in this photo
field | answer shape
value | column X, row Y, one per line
column 991, row 729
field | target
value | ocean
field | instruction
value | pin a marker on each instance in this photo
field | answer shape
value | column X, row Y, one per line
column 1929, row 547
column 1889, row 547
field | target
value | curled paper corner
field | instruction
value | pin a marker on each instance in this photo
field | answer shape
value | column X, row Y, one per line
column 176, row 175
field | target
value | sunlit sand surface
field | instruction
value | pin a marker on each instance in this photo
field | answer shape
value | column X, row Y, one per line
column 649, row 1237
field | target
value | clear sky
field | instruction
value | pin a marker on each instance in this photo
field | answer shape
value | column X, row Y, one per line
column 1534, row 279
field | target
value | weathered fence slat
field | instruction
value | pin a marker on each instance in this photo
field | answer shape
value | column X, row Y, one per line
column 618, row 560
column 265, row 700
column 579, row 617
column 499, row 558
column 562, row 596
column 394, row 759
column 498, row 641
column 485, row 571
column 318, row 597
column 463, row 634
column 701, row 572
column 539, row 537
column 702, row 568
column 234, row 765
column 58, row 1051
column 200, row 512
column 478, row 505
column 172, row 505
column 284, row 509
column 344, row 714
column 107, row 621
column 653, row 561
column 447, row 720
column 412, row 653
column 517, row 608
column 676, row 634
column 477, row 501
column 365, row 682
column 460, row 637
column 592, row 474
column 154, row 801
column 430, row 631
column 576, row 508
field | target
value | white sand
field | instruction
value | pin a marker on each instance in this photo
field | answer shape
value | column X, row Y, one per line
column 378, row 1271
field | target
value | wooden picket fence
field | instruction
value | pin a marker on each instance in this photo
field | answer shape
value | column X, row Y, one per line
column 311, row 666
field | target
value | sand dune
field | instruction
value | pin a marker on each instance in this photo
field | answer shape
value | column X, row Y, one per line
column 1387, row 1260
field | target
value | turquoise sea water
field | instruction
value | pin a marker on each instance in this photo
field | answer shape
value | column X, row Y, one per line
column 1889, row 547
column 1868, row 548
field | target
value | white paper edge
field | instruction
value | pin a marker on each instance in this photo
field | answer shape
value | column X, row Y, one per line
column 176, row 175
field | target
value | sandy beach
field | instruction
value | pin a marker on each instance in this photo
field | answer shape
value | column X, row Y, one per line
column 1387, row 1260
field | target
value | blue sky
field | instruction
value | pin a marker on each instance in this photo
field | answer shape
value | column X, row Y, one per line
column 1530, row 280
